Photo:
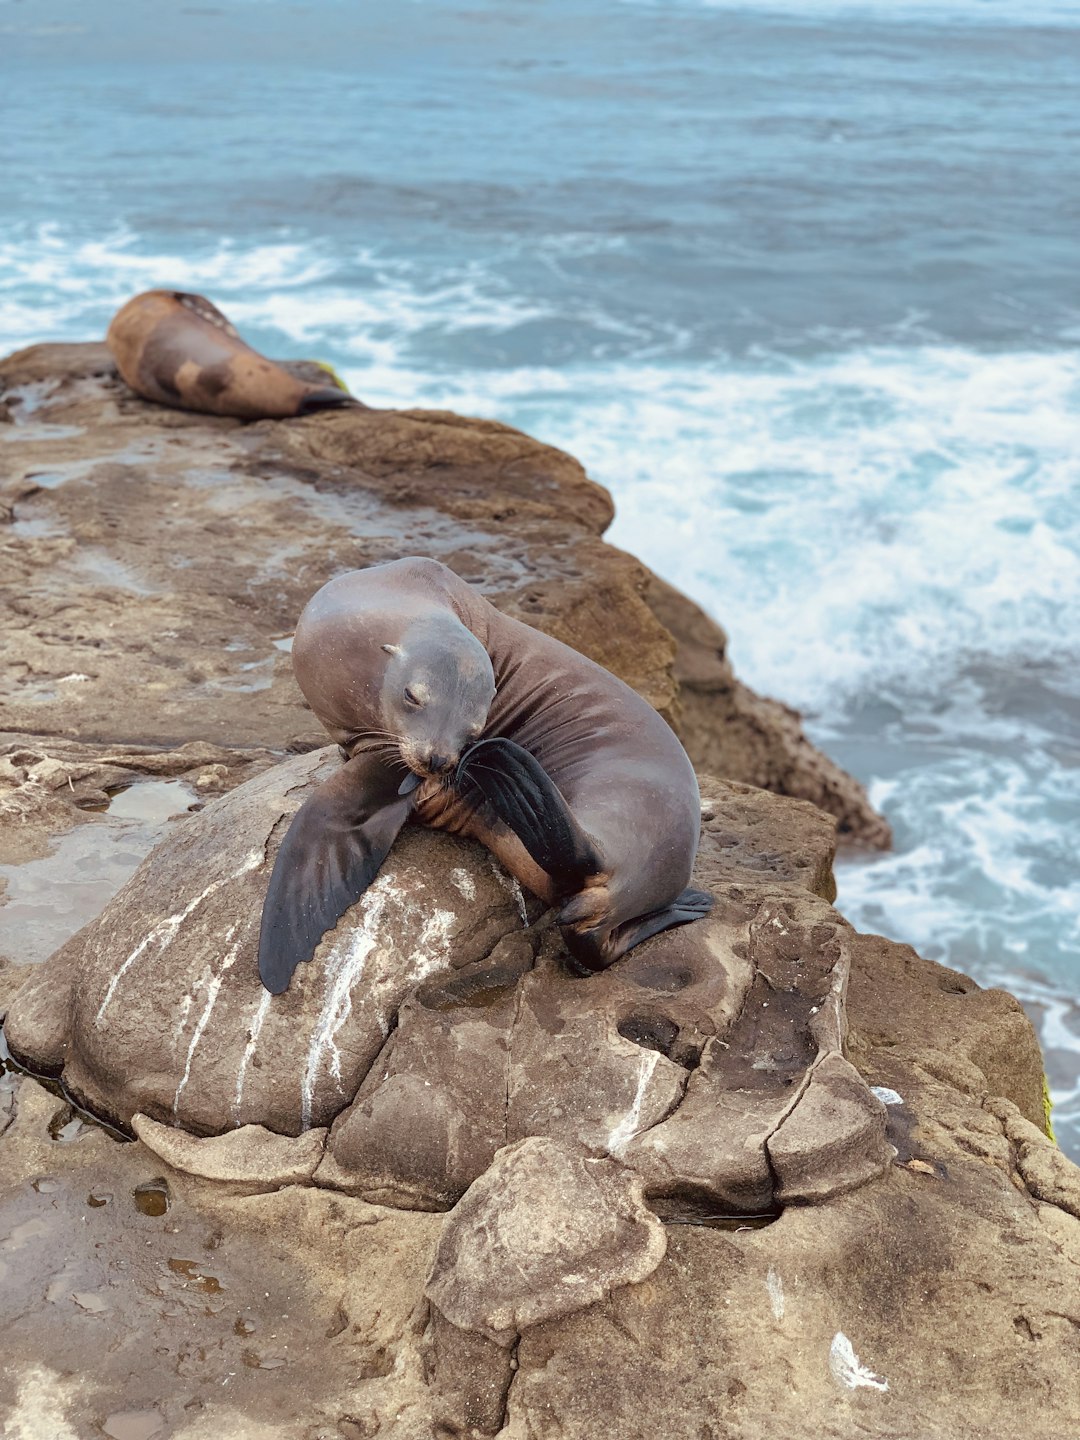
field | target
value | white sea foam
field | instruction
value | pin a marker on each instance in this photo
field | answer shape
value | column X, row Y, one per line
column 54, row 287
column 984, row 879
column 857, row 521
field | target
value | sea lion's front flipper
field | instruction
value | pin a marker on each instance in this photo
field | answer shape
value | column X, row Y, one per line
column 524, row 797
column 331, row 853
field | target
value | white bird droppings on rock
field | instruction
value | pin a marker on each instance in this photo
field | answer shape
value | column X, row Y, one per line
column 344, row 967
column 253, row 1038
column 848, row 1370
column 463, row 882
column 167, row 929
column 630, row 1123
column 775, row 1287
column 510, row 883
column 213, row 986
column 886, row 1096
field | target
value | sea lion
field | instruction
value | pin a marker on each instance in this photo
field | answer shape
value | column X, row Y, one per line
column 180, row 350
column 457, row 716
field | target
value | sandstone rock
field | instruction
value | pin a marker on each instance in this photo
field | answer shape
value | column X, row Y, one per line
column 250, row 1160
column 547, row 1230
column 232, row 1315
column 1044, row 1169
column 834, row 1138
column 177, row 632
column 978, row 1041
column 730, row 730
column 434, row 1026
column 157, row 1007
column 48, row 784
column 937, row 1298
column 909, row 1307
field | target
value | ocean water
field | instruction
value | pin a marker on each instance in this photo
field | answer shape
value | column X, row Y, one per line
column 796, row 280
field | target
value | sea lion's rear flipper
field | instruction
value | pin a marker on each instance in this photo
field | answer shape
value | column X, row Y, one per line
column 332, row 851
column 328, row 397
column 596, row 948
column 691, row 905
column 525, row 798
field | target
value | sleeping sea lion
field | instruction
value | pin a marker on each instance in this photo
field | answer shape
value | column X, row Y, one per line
column 180, row 350
column 456, row 716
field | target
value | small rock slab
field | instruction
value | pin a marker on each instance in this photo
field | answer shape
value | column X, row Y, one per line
column 251, row 1160
column 548, row 1229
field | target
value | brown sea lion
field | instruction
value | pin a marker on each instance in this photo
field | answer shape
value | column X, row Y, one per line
column 180, row 350
column 461, row 718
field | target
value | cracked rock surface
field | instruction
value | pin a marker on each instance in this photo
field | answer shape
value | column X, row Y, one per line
column 938, row 1299
column 156, row 1007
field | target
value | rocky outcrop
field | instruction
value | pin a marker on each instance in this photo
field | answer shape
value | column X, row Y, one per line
column 759, row 740
column 436, row 1025
column 766, row 1176
column 938, row 1299
column 130, row 614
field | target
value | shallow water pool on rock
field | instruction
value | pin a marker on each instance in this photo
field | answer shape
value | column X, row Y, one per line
column 49, row 899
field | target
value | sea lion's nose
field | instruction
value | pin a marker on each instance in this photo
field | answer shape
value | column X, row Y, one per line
column 437, row 764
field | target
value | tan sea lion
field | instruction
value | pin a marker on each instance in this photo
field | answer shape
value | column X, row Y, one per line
column 461, row 718
column 180, row 350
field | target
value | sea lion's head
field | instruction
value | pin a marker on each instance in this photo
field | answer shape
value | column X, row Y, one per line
column 436, row 692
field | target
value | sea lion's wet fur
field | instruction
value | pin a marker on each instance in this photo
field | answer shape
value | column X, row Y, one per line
column 573, row 781
column 180, row 350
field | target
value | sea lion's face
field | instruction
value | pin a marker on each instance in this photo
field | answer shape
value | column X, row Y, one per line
column 436, row 693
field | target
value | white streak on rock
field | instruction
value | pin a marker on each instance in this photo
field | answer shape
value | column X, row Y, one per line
column 464, row 882
column 629, row 1125
column 775, row 1287
column 436, row 932
column 885, row 1095
column 165, row 930
column 256, row 1026
column 41, row 1405
column 344, row 966
column 848, row 1370
column 213, row 985
column 185, row 1010
column 510, row 883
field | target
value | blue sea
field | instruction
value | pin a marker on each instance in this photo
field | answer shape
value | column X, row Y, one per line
column 797, row 281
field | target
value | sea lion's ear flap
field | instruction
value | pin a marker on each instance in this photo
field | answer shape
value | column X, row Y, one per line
column 524, row 797
column 393, row 649
column 331, row 853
